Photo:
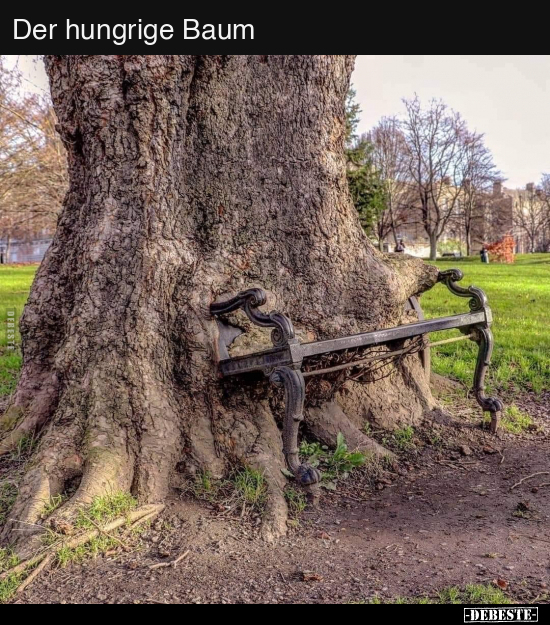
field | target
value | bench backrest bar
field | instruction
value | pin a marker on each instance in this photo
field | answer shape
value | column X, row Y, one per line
column 277, row 357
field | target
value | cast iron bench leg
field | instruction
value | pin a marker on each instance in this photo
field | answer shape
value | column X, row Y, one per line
column 292, row 380
column 484, row 338
column 289, row 377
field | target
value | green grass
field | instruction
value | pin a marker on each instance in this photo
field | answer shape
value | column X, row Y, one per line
column 245, row 489
column 515, row 421
column 404, row 438
column 92, row 549
column 296, row 501
column 251, row 486
column 7, row 560
column 477, row 594
column 9, row 585
column 15, row 283
column 100, row 512
column 54, row 503
column 519, row 295
column 105, row 509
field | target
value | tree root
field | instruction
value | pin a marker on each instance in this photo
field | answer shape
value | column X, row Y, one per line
column 269, row 459
column 43, row 560
column 326, row 422
column 12, row 439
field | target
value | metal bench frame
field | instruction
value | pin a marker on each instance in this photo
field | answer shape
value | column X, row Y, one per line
column 283, row 363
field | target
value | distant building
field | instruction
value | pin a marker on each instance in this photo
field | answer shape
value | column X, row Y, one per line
column 495, row 218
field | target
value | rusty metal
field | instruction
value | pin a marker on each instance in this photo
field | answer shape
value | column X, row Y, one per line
column 292, row 380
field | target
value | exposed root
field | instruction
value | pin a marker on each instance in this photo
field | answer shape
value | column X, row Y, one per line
column 43, row 560
column 10, row 442
column 55, row 461
column 105, row 471
column 276, row 513
column 269, row 459
column 326, row 422
column 14, row 428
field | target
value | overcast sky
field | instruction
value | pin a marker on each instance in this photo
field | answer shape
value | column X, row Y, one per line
column 507, row 97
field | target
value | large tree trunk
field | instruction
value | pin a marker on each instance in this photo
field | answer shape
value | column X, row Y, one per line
column 191, row 179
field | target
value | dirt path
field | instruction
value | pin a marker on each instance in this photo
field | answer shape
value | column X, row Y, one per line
column 449, row 519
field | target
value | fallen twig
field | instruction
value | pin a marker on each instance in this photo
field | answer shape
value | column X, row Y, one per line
column 46, row 557
column 35, row 573
column 173, row 563
column 131, row 517
column 530, row 477
column 20, row 568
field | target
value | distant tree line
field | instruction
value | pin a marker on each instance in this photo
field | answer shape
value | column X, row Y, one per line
column 428, row 168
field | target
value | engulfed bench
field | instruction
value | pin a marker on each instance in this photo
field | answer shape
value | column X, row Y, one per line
column 289, row 362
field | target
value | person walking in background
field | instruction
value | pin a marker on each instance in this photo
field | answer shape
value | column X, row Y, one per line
column 484, row 256
column 400, row 247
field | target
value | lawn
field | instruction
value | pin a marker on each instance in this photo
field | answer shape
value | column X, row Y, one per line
column 15, row 282
column 519, row 295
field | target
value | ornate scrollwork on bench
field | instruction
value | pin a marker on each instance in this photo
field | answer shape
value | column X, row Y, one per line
column 250, row 301
column 478, row 299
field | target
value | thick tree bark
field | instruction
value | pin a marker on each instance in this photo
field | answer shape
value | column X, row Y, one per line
column 193, row 178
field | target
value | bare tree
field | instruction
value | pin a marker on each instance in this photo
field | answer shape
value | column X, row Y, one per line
column 33, row 162
column 435, row 147
column 391, row 161
column 531, row 212
column 477, row 172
